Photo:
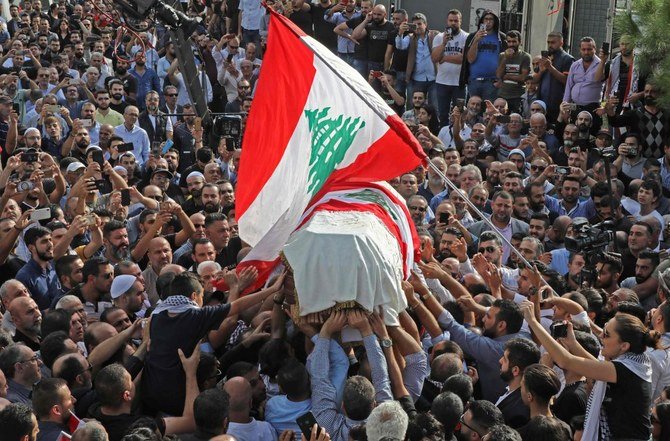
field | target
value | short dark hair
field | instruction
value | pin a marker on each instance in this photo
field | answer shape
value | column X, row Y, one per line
column 64, row 265
column 358, row 397
column 45, row 396
column 521, row 353
column 612, row 261
column 544, row 217
column 423, row 426
column 214, row 217
column 647, row 184
column 503, row 432
column 485, row 414
column 184, row 284
column 92, row 267
column 34, row 234
column 647, row 227
column 146, row 213
column 110, row 385
column 52, row 347
column 70, row 367
column 547, row 428
column 510, row 313
column 461, row 385
column 514, row 34
column 541, row 381
column 16, row 421
column 112, row 225
column 293, row 378
column 56, row 320
column 651, row 255
column 447, row 408
column 210, row 410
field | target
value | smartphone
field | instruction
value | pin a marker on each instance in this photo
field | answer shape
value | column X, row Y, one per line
column 503, row 119
column 87, row 123
column 29, row 157
column 573, row 107
column 559, row 330
column 156, row 149
column 229, row 58
column 460, row 103
column 376, row 73
column 411, row 28
column 100, row 184
column 97, row 156
column 563, row 170
column 444, row 217
column 482, row 27
column 544, row 54
column 197, row 123
column 606, row 47
column 168, row 145
column 306, row 422
column 125, row 147
column 53, row 108
column 125, row 197
column 90, row 219
column 16, row 108
column 41, row 214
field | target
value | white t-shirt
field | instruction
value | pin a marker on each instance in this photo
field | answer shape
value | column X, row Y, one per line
column 448, row 73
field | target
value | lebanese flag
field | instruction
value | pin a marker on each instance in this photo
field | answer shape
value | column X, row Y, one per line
column 315, row 126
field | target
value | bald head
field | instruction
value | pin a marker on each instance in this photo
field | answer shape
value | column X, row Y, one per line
column 239, row 390
column 20, row 305
column 64, row 360
column 172, row 268
column 96, row 333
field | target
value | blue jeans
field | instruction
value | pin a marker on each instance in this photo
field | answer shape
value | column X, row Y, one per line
column 401, row 83
column 427, row 87
column 346, row 57
column 445, row 96
column 482, row 88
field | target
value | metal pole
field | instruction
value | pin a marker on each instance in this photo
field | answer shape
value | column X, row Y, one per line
column 479, row 213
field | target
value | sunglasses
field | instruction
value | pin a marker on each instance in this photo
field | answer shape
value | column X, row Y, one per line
column 171, row 94
column 489, row 249
column 415, row 208
column 537, row 167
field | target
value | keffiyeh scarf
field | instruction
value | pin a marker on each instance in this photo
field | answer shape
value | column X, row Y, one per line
column 596, row 427
column 175, row 305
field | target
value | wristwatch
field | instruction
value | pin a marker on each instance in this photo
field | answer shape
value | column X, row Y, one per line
column 277, row 300
column 386, row 343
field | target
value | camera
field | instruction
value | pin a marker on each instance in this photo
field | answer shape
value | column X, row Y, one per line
column 411, row 28
column 589, row 237
column 229, row 127
column 632, row 152
column 24, row 186
column 563, row 170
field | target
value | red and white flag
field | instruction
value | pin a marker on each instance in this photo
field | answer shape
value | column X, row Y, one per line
column 316, row 126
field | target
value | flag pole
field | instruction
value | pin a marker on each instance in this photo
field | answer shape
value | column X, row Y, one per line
column 453, row 187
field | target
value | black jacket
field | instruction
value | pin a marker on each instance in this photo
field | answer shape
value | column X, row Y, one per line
column 157, row 134
column 516, row 413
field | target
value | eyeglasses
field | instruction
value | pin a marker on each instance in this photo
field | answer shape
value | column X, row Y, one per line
column 488, row 249
column 537, row 167
column 244, row 87
column 87, row 369
column 463, row 423
column 216, row 375
column 34, row 358
column 171, row 94
column 415, row 208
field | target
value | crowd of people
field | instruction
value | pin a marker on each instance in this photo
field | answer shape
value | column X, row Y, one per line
column 539, row 310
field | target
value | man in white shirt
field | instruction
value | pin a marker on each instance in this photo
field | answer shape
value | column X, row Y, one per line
column 448, row 53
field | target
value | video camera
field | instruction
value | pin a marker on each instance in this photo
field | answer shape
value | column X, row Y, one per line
column 228, row 127
column 590, row 238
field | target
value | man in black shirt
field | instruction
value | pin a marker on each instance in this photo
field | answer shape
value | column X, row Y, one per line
column 323, row 30
column 377, row 31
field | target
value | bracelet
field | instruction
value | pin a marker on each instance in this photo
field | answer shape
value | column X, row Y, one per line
column 416, row 305
column 425, row 296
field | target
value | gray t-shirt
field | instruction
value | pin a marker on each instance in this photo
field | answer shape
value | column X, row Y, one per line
column 514, row 65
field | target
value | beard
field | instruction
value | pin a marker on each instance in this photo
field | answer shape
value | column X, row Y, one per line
column 139, row 63
column 121, row 252
column 211, row 208
column 583, row 127
column 641, row 279
column 46, row 255
column 196, row 193
column 649, row 101
column 434, row 180
column 587, row 58
column 121, row 70
column 117, row 96
column 83, row 144
column 506, row 376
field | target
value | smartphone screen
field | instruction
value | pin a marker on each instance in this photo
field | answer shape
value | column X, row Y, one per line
column 97, row 156
column 125, row 197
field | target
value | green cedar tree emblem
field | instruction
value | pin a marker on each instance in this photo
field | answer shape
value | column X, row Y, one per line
column 331, row 138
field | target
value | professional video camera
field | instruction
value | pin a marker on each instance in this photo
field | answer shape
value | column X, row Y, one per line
column 590, row 237
column 228, row 127
column 592, row 241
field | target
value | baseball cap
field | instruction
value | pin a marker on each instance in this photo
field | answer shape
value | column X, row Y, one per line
column 75, row 166
column 604, row 132
column 121, row 284
column 162, row 170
